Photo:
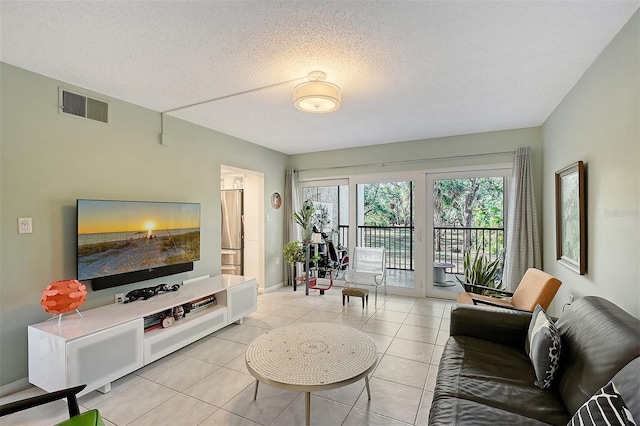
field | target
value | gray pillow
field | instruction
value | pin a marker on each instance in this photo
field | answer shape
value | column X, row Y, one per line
column 543, row 347
column 605, row 407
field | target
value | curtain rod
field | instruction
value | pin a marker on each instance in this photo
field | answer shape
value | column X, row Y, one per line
column 419, row 160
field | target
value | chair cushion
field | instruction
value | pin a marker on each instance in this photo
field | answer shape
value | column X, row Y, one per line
column 536, row 287
column 606, row 407
column 355, row 292
column 543, row 347
column 89, row 418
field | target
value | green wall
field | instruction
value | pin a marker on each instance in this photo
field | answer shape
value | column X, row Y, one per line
column 48, row 160
column 598, row 123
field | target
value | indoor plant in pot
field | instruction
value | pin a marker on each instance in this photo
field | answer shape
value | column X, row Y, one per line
column 294, row 255
column 479, row 271
column 305, row 218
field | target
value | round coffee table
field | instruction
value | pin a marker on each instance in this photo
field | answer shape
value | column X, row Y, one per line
column 311, row 357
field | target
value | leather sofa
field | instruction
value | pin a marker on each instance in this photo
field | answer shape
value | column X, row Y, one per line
column 486, row 377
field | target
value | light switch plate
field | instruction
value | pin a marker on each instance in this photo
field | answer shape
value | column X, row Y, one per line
column 24, row 225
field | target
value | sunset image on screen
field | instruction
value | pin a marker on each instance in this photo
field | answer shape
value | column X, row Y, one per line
column 116, row 237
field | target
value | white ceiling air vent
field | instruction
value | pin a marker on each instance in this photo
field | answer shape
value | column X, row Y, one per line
column 83, row 106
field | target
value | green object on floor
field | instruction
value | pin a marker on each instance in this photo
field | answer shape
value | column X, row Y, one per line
column 89, row 418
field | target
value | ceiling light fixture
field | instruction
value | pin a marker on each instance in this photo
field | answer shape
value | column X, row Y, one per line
column 317, row 95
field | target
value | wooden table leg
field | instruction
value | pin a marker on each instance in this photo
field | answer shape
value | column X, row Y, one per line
column 307, row 406
column 255, row 394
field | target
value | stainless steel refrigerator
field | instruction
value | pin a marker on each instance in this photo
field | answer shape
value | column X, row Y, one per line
column 232, row 232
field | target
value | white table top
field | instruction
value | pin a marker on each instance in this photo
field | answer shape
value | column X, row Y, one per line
column 311, row 356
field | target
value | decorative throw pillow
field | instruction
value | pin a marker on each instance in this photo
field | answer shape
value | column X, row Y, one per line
column 543, row 347
column 605, row 407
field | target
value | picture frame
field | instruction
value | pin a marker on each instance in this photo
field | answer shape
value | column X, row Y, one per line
column 276, row 200
column 571, row 217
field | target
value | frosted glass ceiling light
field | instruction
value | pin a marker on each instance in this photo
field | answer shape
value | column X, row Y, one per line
column 317, row 95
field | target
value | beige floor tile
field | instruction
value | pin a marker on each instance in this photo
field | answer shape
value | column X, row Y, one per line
column 160, row 365
column 220, row 387
column 358, row 417
column 397, row 307
column 268, row 405
column 431, row 378
column 426, row 310
column 241, row 333
column 410, row 349
column 292, row 312
column 382, row 341
column 437, row 354
column 222, row 417
column 270, row 322
column 419, row 334
column 180, row 410
column 423, row 412
column 238, row 364
column 423, row 321
column 219, row 351
column 184, row 374
column 403, row 371
column 391, row 316
column 93, row 398
column 323, row 412
column 381, row 327
column 134, row 402
column 391, row 399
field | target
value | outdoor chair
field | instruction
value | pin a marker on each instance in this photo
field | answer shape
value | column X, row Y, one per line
column 368, row 267
column 88, row 418
column 536, row 288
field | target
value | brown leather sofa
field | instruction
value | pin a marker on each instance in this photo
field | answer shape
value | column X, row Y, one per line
column 486, row 377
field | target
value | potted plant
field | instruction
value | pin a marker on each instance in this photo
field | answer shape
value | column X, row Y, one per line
column 294, row 255
column 305, row 218
column 479, row 272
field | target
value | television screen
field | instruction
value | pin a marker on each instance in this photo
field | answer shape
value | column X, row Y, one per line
column 120, row 242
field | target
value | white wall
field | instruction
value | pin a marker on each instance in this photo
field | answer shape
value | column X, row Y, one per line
column 598, row 123
column 48, row 160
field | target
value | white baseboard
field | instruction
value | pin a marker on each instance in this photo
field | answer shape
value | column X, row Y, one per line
column 14, row 387
column 270, row 288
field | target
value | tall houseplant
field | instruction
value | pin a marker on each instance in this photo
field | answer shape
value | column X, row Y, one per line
column 479, row 271
column 305, row 218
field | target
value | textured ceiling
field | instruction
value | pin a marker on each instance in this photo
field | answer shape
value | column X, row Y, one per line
column 407, row 69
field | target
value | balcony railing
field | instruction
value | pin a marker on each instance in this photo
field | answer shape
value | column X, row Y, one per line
column 449, row 244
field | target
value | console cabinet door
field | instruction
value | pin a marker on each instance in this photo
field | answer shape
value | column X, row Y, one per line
column 100, row 358
column 242, row 300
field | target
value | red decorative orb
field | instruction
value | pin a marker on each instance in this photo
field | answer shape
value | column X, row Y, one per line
column 63, row 296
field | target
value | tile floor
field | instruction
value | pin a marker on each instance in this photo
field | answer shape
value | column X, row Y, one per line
column 206, row 383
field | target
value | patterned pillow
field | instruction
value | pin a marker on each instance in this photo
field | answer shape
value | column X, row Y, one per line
column 605, row 407
column 543, row 347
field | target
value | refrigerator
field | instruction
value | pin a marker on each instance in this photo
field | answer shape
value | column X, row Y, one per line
column 232, row 232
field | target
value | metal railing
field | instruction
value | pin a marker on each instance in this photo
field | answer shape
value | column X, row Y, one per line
column 450, row 244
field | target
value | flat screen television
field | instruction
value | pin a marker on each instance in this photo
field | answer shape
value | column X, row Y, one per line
column 121, row 242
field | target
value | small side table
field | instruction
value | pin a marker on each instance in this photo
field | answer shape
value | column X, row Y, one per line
column 439, row 275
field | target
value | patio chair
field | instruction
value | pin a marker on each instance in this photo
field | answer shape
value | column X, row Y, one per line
column 536, row 287
column 368, row 267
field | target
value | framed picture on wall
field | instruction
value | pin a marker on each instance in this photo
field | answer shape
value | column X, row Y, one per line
column 571, row 218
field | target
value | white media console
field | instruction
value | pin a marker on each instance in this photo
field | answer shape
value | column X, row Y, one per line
column 109, row 342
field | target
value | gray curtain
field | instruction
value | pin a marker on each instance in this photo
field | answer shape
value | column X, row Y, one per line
column 291, row 203
column 523, row 240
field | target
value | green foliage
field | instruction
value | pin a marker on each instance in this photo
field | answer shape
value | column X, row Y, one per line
column 388, row 204
column 479, row 271
column 293, row 252
column 469, row 202
column 305, row 218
